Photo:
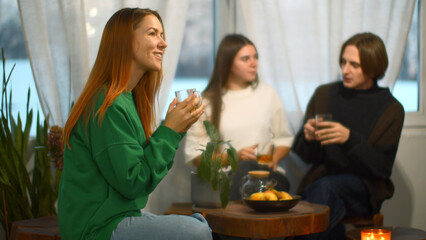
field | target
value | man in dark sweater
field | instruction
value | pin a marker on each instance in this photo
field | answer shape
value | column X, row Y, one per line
column 352, row 155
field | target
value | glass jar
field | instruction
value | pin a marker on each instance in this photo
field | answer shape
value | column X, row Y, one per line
column 256, row 181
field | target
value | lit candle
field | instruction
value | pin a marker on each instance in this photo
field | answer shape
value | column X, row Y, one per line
column 375, row 234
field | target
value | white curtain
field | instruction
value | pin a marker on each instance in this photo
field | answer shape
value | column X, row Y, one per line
column 55, row 36
column 63, row 37
column 299, row 41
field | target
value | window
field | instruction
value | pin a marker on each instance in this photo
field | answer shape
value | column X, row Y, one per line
column 12, row 40
column 406, row 88
column 410, row 88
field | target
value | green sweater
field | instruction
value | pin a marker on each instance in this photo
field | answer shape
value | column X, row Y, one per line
column 110, row 170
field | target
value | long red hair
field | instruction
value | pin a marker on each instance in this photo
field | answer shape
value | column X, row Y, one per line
column 112, row 71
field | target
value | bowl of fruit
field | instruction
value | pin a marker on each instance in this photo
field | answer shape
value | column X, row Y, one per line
column 271, row 200
column 258, row 193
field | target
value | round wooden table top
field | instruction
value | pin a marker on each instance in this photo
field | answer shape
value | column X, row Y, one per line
column 239, row 220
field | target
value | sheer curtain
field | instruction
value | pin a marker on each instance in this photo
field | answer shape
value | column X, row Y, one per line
column 299, row 44
column 56, row 43
column 62, row 39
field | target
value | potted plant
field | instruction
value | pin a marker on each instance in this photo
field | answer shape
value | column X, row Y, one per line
column 215, row 156
column 23, row 194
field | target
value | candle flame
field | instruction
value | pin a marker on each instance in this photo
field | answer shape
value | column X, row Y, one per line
column 375, row 234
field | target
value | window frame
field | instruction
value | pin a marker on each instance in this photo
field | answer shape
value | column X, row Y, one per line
column 418, row 119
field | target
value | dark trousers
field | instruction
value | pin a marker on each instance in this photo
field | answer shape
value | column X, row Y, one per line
column 345, row 194
column 244, row 167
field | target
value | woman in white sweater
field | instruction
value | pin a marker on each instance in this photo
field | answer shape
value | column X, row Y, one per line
column 244, row 110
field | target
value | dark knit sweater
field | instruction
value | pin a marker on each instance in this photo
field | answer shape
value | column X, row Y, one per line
column 375, row 120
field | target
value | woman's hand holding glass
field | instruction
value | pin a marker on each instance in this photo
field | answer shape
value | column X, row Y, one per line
column 247, row 153
column 181, row 115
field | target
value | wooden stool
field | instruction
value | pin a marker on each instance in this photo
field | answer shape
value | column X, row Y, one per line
column 43, row 228
column 362, row 221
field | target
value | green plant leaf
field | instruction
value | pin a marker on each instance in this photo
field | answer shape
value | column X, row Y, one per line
column 214, row 169
column 232, row 157
column 211, row 169
column 211, row 131
column 10, row 73
column 12, row 121
column 23, row 197
column 28, row 100
column 42, row 179
column 203, row 170
column 224, row 188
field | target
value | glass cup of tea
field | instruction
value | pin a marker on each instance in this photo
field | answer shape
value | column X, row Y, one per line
column 181, row 95
column 325, row 117
column 264, row 153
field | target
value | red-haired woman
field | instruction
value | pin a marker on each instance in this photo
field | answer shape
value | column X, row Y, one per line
column 113, row 159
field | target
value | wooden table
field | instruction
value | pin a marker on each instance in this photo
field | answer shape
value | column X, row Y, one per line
column 241, row 221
